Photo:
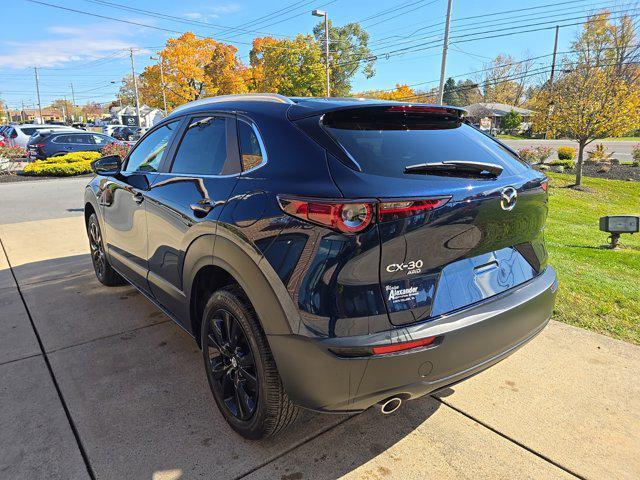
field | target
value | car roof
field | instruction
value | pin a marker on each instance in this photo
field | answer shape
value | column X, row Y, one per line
column 295, row 107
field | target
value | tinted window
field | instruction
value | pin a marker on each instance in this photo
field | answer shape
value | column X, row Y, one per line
column 250, row 152
column 203, row 149
column 148, row 154
column 28, row 131
column 384, row 142
column 73, row 138
column 100, row 140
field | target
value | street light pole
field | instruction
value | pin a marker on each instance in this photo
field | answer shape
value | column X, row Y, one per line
column 73, row 103
column 164, row 95
column 322, row 13
column 445, row 47
column 135, row 87
column 35, row 70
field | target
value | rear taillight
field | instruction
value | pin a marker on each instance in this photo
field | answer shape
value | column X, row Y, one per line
column 544, row 185
column 353, row 216
column 342, row 216
column 37, row 145
column 14, row 135
column 395, row 210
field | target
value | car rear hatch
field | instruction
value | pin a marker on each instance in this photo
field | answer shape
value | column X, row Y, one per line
column 482, row 237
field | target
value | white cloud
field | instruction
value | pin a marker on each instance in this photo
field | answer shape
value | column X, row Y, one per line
column 67, row 44
column 216, row 11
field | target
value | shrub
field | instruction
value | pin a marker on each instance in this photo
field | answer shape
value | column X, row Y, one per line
column 562, row 163
column 76, row 163
column 528, row 154
column 598, row 154
column 12, row 153
column 543, row 153
column 116, row 148
column 566, row 153
column 635, row 153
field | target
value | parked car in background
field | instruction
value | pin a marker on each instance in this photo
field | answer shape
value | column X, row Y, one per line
column 331, row 254
column 53, row 143
column 128, row 134
column 108, row 129
column 19, row 135
column 79, row 126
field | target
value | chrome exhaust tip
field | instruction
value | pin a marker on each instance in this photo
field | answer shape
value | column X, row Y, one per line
column 390, row 405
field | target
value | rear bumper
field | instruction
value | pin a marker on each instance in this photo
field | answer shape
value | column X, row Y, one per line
column 473, row 339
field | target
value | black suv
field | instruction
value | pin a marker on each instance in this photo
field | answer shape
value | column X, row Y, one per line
column 330, row 254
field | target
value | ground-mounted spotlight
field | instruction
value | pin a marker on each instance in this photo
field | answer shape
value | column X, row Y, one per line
column 619, row 224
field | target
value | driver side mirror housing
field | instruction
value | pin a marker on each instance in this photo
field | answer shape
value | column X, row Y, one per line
column 107, row 166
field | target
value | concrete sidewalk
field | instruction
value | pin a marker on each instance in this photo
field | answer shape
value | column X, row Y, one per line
column 105, row 387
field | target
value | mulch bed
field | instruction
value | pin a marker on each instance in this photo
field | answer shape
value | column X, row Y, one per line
column 616, row 172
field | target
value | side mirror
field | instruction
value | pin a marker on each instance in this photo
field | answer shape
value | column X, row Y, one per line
column 107, row 166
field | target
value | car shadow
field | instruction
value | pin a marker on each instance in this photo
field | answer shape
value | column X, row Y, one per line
column 137, row 393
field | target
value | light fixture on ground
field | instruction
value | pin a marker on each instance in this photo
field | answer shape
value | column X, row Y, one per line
column 619, row 224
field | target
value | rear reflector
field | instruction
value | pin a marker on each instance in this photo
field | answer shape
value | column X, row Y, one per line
column 399, row 347
column 353, row 216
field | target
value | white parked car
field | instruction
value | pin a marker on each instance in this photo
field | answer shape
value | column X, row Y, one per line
column 108, row 129
column 19, row 135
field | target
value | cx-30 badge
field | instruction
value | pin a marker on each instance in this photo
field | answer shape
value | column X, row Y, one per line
column 508, row 198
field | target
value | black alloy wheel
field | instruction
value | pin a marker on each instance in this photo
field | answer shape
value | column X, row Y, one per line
column 97, row 251
column 104, row 272
column 233, row 369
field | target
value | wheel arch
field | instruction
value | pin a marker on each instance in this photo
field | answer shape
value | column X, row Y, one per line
column 204, row 272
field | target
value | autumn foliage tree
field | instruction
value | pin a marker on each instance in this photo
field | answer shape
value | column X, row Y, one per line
column 400, row 93
column 287, row 66
column 193, row 68
column 599, row 95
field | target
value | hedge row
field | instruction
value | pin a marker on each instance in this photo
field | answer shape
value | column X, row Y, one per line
column 77, row 163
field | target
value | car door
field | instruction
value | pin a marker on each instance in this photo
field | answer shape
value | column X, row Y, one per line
column 185, row 201
column 99, row 141
column 123, row 204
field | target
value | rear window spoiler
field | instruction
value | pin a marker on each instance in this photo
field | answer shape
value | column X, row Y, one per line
column 300, row 111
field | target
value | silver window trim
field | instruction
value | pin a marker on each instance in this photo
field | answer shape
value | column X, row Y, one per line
column 229, row 175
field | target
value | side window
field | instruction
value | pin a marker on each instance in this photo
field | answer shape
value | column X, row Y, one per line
column 203, row 149
column 250, row 150
column 99, row 140
column 147, row 155
column 61, row 139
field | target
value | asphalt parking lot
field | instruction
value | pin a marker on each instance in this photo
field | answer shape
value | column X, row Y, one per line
column 96, row 383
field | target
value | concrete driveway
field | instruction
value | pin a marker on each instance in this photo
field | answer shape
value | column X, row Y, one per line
column 96, row 383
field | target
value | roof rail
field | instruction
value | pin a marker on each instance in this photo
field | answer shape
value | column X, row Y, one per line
column 251, row 97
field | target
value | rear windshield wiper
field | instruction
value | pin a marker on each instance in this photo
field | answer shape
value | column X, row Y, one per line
column 456, row 168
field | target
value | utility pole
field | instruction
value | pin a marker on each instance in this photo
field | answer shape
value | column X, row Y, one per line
column 73, row 103
column 445, row 47
column 553, row 72
column 22, row 111
column 164, row 95
column 322, row 13
column 35, row 70
column 553, row 62
column 135, row 86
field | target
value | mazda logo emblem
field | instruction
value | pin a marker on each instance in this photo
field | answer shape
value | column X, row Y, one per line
column 508, row 198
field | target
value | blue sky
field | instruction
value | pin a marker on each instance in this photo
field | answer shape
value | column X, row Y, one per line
column 90, row 51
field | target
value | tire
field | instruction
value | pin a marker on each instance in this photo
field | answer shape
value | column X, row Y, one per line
column 101, row 266
column 266, row 409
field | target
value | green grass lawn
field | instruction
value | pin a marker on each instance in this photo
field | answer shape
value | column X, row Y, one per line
column 599, row 288
column 510, row 137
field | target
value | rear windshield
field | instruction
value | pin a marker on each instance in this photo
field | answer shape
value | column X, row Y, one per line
column 384, row 143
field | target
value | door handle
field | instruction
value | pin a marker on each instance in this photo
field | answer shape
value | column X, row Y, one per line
column 202, row 208
column 138, row 197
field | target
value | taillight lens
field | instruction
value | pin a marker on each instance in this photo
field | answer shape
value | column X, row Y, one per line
column 38, row 145
column 545, row 185
column 355, row 216
column 344, row 217
column 396, row 210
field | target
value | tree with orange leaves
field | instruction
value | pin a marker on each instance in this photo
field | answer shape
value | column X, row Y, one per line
column 193, row 68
